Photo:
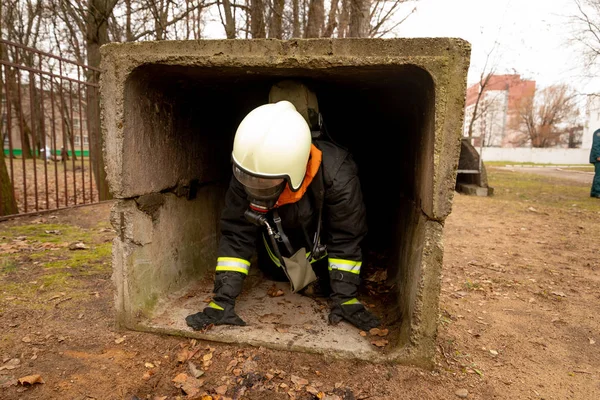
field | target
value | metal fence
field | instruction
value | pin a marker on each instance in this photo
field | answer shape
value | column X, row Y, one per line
column 48, row 110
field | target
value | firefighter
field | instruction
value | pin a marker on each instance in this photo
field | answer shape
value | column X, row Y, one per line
column 595, row 159
column 298, row 198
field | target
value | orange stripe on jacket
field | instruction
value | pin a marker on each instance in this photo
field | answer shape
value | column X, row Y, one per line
column 314, row 162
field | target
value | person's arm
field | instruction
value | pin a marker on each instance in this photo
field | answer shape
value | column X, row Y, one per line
column 238, row 235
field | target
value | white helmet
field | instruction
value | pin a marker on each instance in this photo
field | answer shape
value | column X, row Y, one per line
column 272, row 144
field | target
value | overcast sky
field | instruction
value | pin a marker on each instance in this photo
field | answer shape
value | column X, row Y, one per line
column 532, row 35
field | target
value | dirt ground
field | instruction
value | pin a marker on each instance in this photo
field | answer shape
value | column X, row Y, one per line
column 519, row 314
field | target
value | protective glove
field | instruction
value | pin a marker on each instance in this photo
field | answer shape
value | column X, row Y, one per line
column 344, row 286
column 220, row 311
column 356, row 314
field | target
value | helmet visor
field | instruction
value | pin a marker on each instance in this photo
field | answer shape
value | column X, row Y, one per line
column 258, row 186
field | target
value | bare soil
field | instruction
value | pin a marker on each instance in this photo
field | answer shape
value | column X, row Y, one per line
column 519, row 314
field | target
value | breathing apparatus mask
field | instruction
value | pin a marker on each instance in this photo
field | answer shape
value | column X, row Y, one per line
column 262, row 193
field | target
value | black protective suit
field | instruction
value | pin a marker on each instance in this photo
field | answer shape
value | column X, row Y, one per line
column 344, row 226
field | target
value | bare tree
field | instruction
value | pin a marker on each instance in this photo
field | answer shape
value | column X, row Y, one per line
column 546, row 117
column 8, row 205
column 587, row 32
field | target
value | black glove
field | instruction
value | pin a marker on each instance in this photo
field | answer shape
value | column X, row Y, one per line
column 228, row 285
column 356, row 314
column 345, row 305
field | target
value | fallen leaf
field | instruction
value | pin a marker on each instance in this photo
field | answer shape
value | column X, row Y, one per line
column 196, row 373
column 592, row 341
column 120, row 340
column 148, row 374
column 560, row 294
column 183, row 355
column 378, row 332
column 207, row 357
column 299, row 381
column 362, row 333
column 26, row 339
column 30, row 380
column 380, row 342
column 275, row 292
column 149, row 365
column 221, row 389
column 78, row 246
column 180, row 378
column 238, row 372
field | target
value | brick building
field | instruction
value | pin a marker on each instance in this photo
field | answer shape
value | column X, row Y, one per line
column 497, row 109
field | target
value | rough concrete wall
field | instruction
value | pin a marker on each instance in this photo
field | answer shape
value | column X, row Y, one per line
column 445, row 59
column 163, row 243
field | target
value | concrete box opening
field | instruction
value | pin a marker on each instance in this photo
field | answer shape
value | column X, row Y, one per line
column 168, row 163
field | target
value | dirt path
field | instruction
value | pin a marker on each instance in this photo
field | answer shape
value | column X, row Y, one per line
column 519, row 317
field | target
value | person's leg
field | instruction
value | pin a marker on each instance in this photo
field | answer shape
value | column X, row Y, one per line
column 595, row 192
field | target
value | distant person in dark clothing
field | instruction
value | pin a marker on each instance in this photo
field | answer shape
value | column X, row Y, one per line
column 595, row 159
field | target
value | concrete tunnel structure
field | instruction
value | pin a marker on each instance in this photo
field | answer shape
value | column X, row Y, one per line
column 170, row 111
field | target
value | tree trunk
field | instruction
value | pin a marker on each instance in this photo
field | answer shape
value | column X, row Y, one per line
column 295, row 19
column 275, row 24
column 360, row 18
column 229, row 21
column 316, row 16
column 8, row 205
column 344, row 19
column 96, row 35
column 257, row 20
column 331, row 22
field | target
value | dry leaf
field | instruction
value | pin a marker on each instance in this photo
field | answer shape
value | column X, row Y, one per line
column 380, row 342
column 221, row 389
column 120, row 340
column 148, row 374
column 237, row 372
column 207, row 357
column 26, row 339
column 299, row 381
column 592, row 341
column 149, row 365
column 362, row 333
column 30, row 380
column 378, row 332
column 78, row 246
column 180, row 378
column 274, row 291
column 196, row 373
column 183, row 355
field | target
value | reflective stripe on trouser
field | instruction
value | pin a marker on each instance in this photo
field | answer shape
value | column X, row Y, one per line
column 276, row 261
column 345, row 265
column 233, row 264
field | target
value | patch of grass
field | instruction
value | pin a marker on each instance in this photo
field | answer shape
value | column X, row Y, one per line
column 543, row 190
column 7, row 266
column 38, row 232
column 93, row 260
column 503, row 163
